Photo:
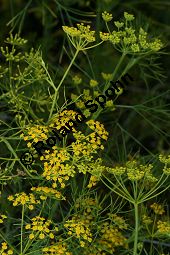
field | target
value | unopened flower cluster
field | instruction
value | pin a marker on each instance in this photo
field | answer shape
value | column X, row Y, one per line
column 111, row 237
column 132, row 40
column 165, row 159
column 157, row 208
column 163, row 227
column 134, row 171
column 80, row 36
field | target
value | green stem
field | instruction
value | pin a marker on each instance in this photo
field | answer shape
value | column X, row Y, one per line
column 61, row 82
column 13, row 152
column 29, row 243
column 118, row 65
column 90, row 47
column 116, row 190
column 22, row 222
column 136, row 229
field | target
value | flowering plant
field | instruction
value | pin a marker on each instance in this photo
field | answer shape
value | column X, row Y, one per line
column 87, row 190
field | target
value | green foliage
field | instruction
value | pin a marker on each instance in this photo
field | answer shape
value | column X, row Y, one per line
column 103, row 188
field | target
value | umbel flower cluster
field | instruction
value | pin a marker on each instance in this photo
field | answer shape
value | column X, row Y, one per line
column 57, row 166
column 58, row 248
column 134, row 171
column 40, row 227
column 81, row 226
column 81, row 36
column 161, row 226
column 125, row 37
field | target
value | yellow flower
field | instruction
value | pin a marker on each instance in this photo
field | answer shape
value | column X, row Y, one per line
column 47, row 192
column 4, row 246
column 146, row 219
column 115, row 37
column 158, row 209
column 128, row 17
column 77, row 80
column 35, row 133
column 119, row 92
column 79, row 228
column 4, row 249
column 164, row 159
column 58, row 248
column 81, row 36
column 92, row 182
column 104, row 36
column 31, row 236
column 107, row 16
column 41, row 236
column 119, row 221
column 24, row 199
column 2, row 217
column 29, row 145
column 135, row 47
column 31, row 207
column 107, row 76
column 166, row 170
column 28, row 226
column 82, row 244
column 163, row 227
column 10, row 252
column 51, row 235
column 41, row 227
column 25, row 138
column 93, row 83
column 118, row 24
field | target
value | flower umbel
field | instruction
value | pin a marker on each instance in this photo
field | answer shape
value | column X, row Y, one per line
column 24, row 199
column 40, row 227
column 81, row 36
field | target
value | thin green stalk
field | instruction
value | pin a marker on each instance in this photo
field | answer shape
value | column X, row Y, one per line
column 29, row 243
column 107, row 27
column 153, row 190
column 59, row 85
column 68, row 69
column 152, row 234
column 90, row 47
column 123, row 187
column 118, row 192
column 13, row 152
column 22, row 223
column 157, row 194
column 118, row 65
column 136, row 228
